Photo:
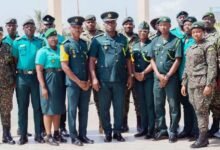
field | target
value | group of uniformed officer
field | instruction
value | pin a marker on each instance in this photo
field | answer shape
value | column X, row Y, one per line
column 159, row 66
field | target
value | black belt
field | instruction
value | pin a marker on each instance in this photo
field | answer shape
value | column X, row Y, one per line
column 53, row 70
column 30, row 72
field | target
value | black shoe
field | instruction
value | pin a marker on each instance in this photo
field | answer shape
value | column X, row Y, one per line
column 51, row 141
column 183, row 134
column 160, row 136
column 202, row 141
column 58, row 137
column 23, row 140
column 6, row 138
column 77, row 142
column 39, row 139
column 149, row 136
column 86, row 140
column 124, row 128
column 140, row 134
column 172, row 138
column 118, row 137
column 64, row 132
column 108, row 138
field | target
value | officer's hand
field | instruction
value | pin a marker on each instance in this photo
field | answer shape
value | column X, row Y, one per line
column 183, row 90
column 161, row 77
column 83, row 84
column 44, row 92
column 95, row 85
column 207, row 91
column 139, row 76
column 87, row 86
column 130, row 82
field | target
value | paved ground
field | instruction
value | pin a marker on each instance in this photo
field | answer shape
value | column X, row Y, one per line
column 130, row 144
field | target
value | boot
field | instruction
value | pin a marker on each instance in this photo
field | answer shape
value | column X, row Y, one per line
column 6, row 138
column 214, row 128
column 202, row 141
column 58, row 137
column 139, row 129
column 125, row 127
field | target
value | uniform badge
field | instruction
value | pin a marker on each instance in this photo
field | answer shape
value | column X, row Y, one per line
column 76, row 20
column 109, row 15
column 73, row 53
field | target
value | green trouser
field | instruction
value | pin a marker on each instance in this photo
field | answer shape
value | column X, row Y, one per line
column 111, row 92
column 170, row 91
column 77, row 98
column 27, row 85
column 145, row 97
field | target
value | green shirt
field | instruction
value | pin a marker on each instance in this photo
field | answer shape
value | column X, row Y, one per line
column 165, row 52
column 25, row 51
column 48, row 58
column 178, row 32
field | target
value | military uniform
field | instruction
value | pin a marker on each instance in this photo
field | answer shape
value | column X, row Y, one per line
column 164, row 53
column 7, row 82
column 75, row 52
column 24, row 50
column 144, row 89
column 131, row 40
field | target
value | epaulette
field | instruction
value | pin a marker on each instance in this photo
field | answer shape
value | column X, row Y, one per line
column 101, row 34
column 66, row 41
column 19, row 38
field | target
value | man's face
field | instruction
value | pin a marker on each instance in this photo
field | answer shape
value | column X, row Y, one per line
column 110, row 26
column 1, row 35
column 11, row 28
column 209, row 22
column 29, row 29
column 164, row 27
column 90, row 25
column 197, row 34
column 186, row 27
column 143, row 34
column 180, row 19
column 47, row 26
column 76, row 30
column 52, row 40
column 128, row 27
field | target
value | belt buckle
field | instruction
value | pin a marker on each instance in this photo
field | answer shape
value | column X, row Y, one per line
column 29, row 72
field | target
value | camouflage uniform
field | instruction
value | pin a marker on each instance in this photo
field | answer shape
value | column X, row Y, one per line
column 200, row 71
column 7, row 81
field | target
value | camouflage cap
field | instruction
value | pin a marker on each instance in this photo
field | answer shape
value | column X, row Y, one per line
column 50, row 32
column 28, row 21
column 164, row 19
column 153, row 22
column 127, row 19
column 76, row 20
column 190, row 19
column 90, row 17
column 11, row 21
column 208, row 14
column 110, row 15
column 144, row 26
column 182, row 13
column 198, row 24
column 48, row 19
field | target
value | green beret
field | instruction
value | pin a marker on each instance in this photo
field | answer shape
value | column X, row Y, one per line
column 127, row 19
column 182, row 13
column 11, row 21
column 50, row 32
column 108, row 16
column 28, row 21
column 1, row 30
column 190, row 19
column 90, row 17
column 164, row 19
column 48, row 19
column 208, row 14
column 144, row 26
column 198, row 24
column 153, row 22
column 76, row 20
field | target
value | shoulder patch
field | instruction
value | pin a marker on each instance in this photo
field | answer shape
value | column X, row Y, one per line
column 101, row 34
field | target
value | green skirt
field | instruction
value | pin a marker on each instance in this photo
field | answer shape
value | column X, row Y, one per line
column 55, row 104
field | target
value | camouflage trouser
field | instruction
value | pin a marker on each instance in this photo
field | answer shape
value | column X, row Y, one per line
column 201, row 106
column 6, row 96
column 215, row 105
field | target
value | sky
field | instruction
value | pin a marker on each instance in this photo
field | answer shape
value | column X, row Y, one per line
column 22, row 9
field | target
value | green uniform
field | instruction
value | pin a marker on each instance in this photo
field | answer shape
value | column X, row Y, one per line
column 75, row 52
column 177, row 32
column 165, row 53
column 24, row 50
column 9, row 40
column 144, row 89
column 54, row 79
column 111, row 55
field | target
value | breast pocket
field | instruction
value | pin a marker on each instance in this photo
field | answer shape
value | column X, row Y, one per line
column 171, row 54
column 22, row 50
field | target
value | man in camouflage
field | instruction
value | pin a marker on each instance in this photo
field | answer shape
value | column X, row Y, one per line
column 7, row 83
column 128, row 27
column 199, row 78
column 211, row 34
column 90, row 32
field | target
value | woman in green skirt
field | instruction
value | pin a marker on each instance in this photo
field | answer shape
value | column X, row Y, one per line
column 52, row 86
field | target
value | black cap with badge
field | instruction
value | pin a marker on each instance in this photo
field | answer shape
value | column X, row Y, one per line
column 109, row 16
column 76, row 20
column 48, row 19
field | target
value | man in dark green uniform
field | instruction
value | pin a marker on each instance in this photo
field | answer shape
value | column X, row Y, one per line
column 154, row 25
column 166, row 53
column 108, row 57
column 48, row 22
column 87, row 35
column 24, row 51
column 74, row 60
column 128, row 27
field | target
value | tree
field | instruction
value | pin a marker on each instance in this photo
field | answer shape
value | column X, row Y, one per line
column 38, row 20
